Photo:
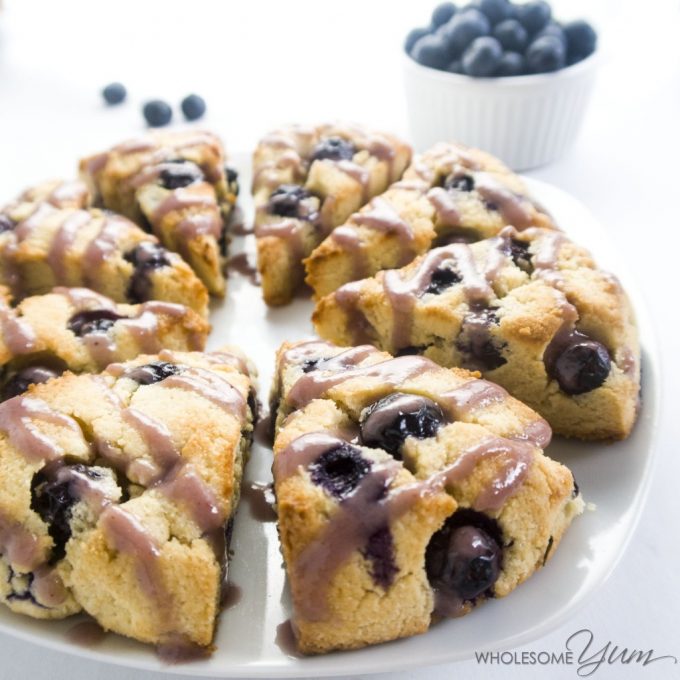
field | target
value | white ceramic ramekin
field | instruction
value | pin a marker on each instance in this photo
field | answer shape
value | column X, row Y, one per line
column 526, row 121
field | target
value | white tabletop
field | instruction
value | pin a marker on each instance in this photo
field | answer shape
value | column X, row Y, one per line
column 260, row 63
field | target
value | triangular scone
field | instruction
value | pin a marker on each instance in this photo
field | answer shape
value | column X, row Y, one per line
column 117, row 493
column 449, row 193
column 175, row 182
column 42, row 246
column 308, row 180
column 405, row 491
column 530, row 310
column 82, row 331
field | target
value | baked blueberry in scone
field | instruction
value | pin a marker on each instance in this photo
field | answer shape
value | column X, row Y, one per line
column 529, row 309
column 82, row 331
column 405, row 492
column 42, row 246
column 117, row 492
column 176, row 184
column 449, row 193
column 308, row 180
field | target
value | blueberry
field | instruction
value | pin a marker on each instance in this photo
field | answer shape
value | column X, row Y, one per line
column 463, row 560
column 442, row 13
column 582, row 366
column 339, row 470
column 431, row 50
column 481, row 59
column 180, row 173
column 114, row 93
column 379, row 551
column 146, row 257
column 555, row 30
column 388, row 422
column 309, row 365
column 232, row 179
column 334, row 149
column 442, row 278
column 456, row 67
column 493, row 10
column 413, row 37
column 546, row 55
column 519, row 252
column 148, row 374
column 465, row 26
column 534, row 15
column 457, row 182
column 193, row 107
column 476, row 343
column 291, row 200
column 410, row 350
column 23, row 379
column 6, row 224
column 157, row 113
column 53, row 498
column 581, row 40
column 511, row 35
column 93, row 321
column 511, row 64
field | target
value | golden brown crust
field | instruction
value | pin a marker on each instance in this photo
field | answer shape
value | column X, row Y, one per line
column 360, row 609
column 337, row 189
column 49, row 247
column 532, row 308
column 188, row 217
column 143, row 555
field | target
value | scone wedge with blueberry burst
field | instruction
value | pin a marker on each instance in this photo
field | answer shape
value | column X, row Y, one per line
column 405, row 492
column 307, row 181
column 46, row 242
column 449, row 193
column 78, row 330
column 176, row 184
column 117, row 492
column 529, row 309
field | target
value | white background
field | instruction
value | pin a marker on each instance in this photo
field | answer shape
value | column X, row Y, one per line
column 259, row 64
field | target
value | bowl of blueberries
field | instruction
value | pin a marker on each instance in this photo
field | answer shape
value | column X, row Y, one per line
column 506, row 77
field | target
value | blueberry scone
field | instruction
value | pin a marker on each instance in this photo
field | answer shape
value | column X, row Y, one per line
column 529, row 309
column 406, row 492
column 306, row 182
column 176, row 184
column 43, row 246
column 82, row 331
column 449, row 193
column 118, row 490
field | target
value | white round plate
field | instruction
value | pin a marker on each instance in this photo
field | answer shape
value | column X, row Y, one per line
column 614, row 477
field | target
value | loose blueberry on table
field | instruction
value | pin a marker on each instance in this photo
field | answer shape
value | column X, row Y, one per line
column 497, row 38
column 193, row 107
column 114, row 93
column 157, row 113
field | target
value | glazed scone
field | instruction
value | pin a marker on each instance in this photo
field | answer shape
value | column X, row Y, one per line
column 308, row 180
column 118, row 490
column 449, row 193
column 42, row 246
column 176, row 183
column 405, row 492
column 529, row 309
column 82, row 331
